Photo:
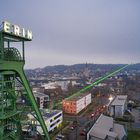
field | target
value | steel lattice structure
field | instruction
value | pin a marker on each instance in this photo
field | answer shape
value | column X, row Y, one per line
column 11, row 69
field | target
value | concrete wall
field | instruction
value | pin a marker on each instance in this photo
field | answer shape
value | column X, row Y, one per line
column 119, row 111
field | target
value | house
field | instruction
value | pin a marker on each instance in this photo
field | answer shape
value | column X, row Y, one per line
column 105, row 129
column 118, row 106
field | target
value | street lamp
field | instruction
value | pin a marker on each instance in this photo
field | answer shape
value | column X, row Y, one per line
column 110, row 98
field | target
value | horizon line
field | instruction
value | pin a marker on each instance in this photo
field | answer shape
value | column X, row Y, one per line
column 80, row 63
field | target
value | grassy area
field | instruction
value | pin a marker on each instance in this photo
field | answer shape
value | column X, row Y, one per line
column 133, row 135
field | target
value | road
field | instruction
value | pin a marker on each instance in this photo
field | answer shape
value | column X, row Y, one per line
column 84, row 120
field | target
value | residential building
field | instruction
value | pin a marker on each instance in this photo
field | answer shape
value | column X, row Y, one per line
column 62, row 83
column 118, row 106
column 77, row 103
column 105, row 129
column 52, row 118
column 52, row 90
column 42, row 99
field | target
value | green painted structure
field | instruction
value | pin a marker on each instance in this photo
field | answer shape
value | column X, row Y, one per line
column 12, row 69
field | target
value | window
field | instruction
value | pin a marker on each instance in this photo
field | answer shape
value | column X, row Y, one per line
column 58, row 121
column 52, row 125
column 57, row 116
column 55, row 123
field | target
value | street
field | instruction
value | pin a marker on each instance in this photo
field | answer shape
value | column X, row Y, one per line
column 85, row 120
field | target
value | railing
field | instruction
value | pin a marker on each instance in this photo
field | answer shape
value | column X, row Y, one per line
column 12, row 54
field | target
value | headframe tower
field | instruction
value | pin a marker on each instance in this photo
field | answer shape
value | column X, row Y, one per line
column 12, row 62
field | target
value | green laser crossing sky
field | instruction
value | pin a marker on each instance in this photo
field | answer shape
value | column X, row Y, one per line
column 97, row 82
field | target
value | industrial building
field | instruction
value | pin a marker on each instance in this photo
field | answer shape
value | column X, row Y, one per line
column 52, row 118
column 118, row 106
column 105, row 129
column 76, row 104
column 42, row 99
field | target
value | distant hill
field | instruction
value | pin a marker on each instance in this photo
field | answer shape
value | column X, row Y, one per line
column 61, row 69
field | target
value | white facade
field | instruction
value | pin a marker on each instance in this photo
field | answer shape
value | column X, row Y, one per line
column 51, row 85
column 80, row 104
column 76, row 104
column 63, row 84
column 83, row 102
column 118, row 106
column 88, row 99
column 52, row 119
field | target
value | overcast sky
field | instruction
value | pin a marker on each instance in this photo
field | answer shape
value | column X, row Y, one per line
column 77, row 31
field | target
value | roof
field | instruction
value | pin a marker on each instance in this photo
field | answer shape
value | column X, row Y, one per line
column 51, row 85
column 38, row 94
column 102, row 133
column 119, row 100
column 105, row 126
column 105, row 122
column 76, row 98
column 49, row 114
column 119, row 129
column 96, row 132
column 46, row 114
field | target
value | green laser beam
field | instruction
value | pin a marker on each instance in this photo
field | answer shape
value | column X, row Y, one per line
column 99, row 80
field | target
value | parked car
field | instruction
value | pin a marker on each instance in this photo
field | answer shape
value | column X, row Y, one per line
column 83, row 132
column 92, row 115
column 60, row 136
column 72, row 126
